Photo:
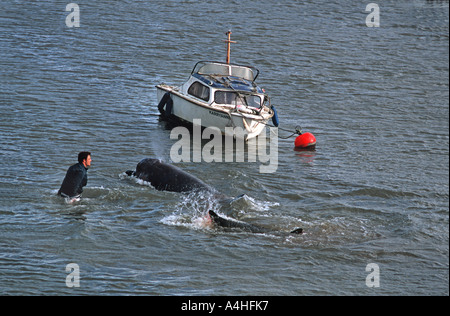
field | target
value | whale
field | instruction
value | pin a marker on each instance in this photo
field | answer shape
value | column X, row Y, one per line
column 231, row 223
column 166, row 177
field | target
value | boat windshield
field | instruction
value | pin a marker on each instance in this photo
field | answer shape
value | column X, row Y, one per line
column 216, row 68
column 234, row 98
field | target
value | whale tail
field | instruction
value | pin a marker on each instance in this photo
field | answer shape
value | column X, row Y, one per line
column 297, row 231
column 231, row 223
column 217, row 219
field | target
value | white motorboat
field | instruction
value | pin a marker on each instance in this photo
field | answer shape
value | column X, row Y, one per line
column 220, row 95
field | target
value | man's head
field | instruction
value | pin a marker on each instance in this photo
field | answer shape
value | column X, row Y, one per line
column 84, row 157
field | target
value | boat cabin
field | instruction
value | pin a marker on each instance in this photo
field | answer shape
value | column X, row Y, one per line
column 225, row 85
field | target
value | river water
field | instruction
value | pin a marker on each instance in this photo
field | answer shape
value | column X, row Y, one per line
column 375, row 190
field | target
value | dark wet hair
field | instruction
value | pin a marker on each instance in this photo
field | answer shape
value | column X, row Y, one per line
column 83, row 155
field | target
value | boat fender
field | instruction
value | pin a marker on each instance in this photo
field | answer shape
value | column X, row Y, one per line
column 275, row 120
column 169, row 107
column 166, row 101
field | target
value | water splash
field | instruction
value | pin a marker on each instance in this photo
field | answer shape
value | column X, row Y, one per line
column 191, row 211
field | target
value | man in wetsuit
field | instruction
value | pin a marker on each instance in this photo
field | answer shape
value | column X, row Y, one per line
column 76, row 177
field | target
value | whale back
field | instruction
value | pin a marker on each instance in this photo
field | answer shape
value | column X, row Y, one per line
column 166, row 177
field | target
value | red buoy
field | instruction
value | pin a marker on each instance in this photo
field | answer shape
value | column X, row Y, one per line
column 305, row 140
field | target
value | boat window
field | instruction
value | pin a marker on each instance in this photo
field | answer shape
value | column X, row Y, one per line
column 199, row 91
column 233, row 98
column 254, row 101
column 212, row 68
column 242, row 72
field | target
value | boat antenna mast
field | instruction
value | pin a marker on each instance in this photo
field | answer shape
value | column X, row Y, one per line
column 229, row 41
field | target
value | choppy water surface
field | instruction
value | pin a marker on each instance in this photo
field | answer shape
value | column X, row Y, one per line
column 376, row 190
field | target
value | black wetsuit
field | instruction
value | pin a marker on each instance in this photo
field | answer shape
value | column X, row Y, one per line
column 75, row 180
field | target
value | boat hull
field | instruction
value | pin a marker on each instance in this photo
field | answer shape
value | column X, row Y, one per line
column 188, row 109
